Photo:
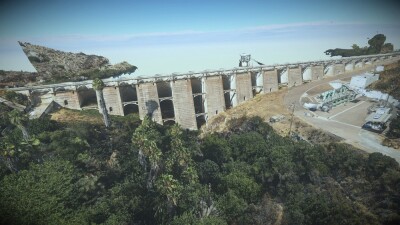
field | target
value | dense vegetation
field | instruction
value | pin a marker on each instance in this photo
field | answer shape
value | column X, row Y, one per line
column 142, row 173
column 377, row 45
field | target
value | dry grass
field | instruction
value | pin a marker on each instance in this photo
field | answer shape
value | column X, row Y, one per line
column 266, row 106
column 392, row 143
column 72, row 116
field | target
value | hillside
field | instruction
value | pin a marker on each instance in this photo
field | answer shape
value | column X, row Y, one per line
column 389, row 80
column 17, row 78
column 68, row 168
column 58, row 66
column 72, row 172
column 266, row 106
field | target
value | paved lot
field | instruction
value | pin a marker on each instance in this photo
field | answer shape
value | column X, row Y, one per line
column 352, row 113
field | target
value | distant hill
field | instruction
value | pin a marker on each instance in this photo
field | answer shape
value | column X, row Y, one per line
column 58, row 66
column 17, row 78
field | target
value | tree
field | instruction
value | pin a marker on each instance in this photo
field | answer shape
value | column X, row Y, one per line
column 231, row 207
column 98, row 86
column 147, row 139
column 242, row 186
column 376, row 43
column 44, row 194
column 386, row 48
column 20, row 120
column 216, row 149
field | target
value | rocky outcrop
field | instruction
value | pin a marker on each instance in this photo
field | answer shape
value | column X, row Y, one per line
column 58, row 66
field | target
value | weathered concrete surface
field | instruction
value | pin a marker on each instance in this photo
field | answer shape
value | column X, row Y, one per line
column 148, row 101
column 183, row 104
column 244, row 90
column 113, row 101
column 295, row 77
column 68, row 99
column 317, row 72
column 215, row 101
column 270, row 81
column 338, row 68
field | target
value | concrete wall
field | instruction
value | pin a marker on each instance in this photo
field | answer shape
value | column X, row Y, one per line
column 68, row 99
column 270, row 81
column 295, row 77
column 215, row 102
column 148, row 101
column 177, row 96
column 183, row 104
column 317, row 72
column 338, row 69
column 244, row 90
column 363, row 81
column 112, row 98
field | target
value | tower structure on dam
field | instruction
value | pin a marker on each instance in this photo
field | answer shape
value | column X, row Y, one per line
column 192, row 99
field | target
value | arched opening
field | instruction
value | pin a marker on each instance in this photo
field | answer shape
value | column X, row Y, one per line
column 110, row 109
column 88, row 98
column 201, row 120
column 164, row 89
column 131, row 108
column 198, row 104
column 129, row 97
column 65, row 102
column 167, row 109
column 169, row 122
column 228, row 101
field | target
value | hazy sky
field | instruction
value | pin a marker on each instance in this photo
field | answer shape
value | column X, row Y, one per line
column 161, row 37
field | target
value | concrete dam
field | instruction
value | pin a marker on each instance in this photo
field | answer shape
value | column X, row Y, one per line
column 191, row 99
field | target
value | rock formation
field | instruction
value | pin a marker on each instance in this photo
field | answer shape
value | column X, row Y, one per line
column 58, row 66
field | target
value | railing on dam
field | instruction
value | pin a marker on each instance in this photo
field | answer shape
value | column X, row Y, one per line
column 190, row 99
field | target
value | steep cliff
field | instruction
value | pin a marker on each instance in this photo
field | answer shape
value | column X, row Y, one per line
column 57, row 66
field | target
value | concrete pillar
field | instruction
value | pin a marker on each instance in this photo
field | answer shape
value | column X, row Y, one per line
column 244, row 90
column 349, row 66
column 295, row 76
column 270, row 81
column 113, row 101
column 359, row 65
column 317, row 72
column 148, row 101
column 68, row 99
column 215, row 102
column 183, row 104
column 338, row 68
